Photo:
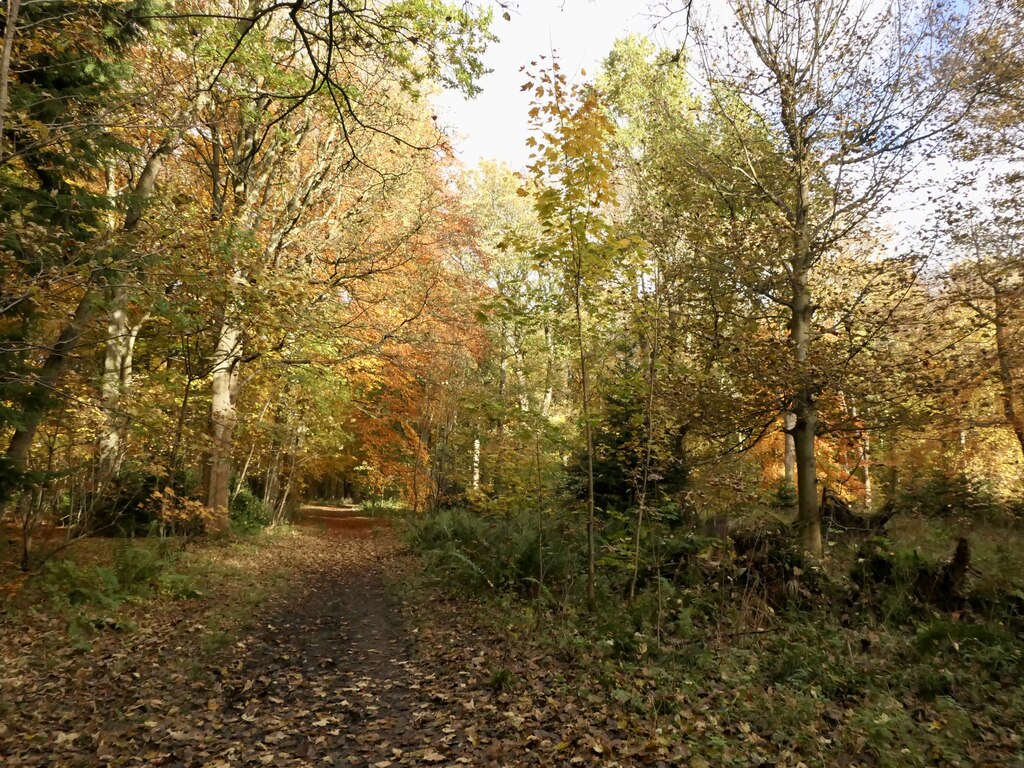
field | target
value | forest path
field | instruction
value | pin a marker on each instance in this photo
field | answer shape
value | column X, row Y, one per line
column 346, row 672
column 330, row 678
column 346, row 665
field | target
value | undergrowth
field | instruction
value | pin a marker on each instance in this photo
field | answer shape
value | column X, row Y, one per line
column 746, row 650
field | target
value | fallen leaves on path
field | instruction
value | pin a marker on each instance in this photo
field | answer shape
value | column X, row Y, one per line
column 331, row 674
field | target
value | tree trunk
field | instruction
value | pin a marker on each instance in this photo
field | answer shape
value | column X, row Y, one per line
column 222, row 422
column 789, row 452
column 476, row 464
column 805, row 411
column 118, row 360
column 38, row 400
column 865, row 457
column 865, row 463
column 802, row 259
column 549, row 372
column 589, row 430
column 808, row 514
column 272, row 477
column 10, row 24
column 645, row 469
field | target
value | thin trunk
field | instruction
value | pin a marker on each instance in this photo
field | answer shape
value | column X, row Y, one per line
column 865, row 457
column 179, row 427
column 422, row 437
column 272, row 478
column 518, row 365
column 652, row 374
column 789, row 452
column 223, row 418
column 549, row 373
column 281, row 507
column 476, row 464
column 589, row 430
column 46, row 381
column 248, row 459
column 502, row 378
column 27, row 529
column 10, row 24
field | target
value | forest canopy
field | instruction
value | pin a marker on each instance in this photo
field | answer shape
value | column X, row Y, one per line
column 239, row 255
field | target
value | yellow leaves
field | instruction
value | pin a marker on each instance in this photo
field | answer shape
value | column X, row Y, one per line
column 174, row 510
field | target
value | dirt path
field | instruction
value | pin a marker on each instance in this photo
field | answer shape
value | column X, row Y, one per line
column 336, row 671
column 330, row 679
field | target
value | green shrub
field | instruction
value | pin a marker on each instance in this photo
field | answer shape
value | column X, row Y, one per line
column 784, row 495
column 135, row 572
column 890, row 733
column 888, row 577
column 247, row 512
column 943, row 495
column 382, row 507
column 988, row 646
column 137, row 567
column 129, row 506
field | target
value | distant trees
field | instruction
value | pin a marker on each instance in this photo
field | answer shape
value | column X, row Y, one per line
column 236, row 250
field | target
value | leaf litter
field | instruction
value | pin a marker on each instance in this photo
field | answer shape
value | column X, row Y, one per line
column 333, row 669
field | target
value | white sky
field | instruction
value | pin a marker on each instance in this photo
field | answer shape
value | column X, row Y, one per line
column 494, row 125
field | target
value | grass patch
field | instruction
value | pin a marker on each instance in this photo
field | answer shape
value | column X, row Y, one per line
column 104, row 586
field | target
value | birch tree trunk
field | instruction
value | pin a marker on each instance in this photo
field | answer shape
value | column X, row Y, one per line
column 119, row 349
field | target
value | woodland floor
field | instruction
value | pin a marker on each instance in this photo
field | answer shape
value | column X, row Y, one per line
column 332, row 669
column 321, row 645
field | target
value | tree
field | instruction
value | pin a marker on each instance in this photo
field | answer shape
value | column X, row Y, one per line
column 988, row 281
column 572, row 168
column 62, row 78
column 844, row 97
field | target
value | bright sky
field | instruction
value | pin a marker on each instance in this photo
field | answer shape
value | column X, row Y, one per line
column 494, row 125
